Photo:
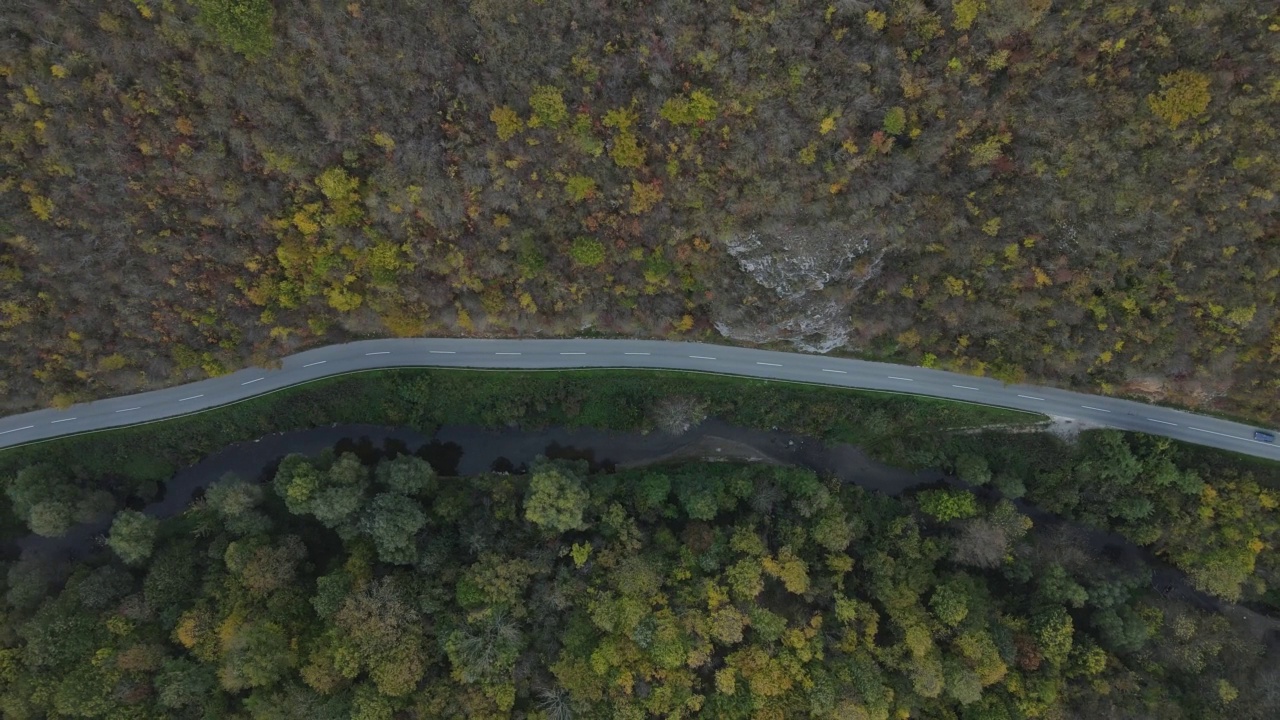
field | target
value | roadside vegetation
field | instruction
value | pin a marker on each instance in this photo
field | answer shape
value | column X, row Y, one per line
column 1212, row 514
column 86, row 471
column 341, row 590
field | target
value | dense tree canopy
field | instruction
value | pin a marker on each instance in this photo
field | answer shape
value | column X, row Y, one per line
column 695, row 590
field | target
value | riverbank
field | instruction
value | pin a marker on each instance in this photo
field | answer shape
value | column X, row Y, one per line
column 895, row 429
column 460, row 450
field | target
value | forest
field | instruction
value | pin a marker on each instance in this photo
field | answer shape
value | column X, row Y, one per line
column 371, row 586
column 380, row 590
column 1214, row 515
column 1076, row 192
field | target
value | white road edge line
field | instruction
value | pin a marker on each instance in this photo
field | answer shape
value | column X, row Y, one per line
column 1031, row 397
column 1163, row 422
column 891, row 377
column 1217, row 433
column 701, row 357
column 55, row 422
column 193, row 397
column 128, row 409
column 384, row 352
column 443, row 352
column 6, row 432
column 635, row 353
column 318, row 362
column 253, row 381
column 1090, row 407
column 965, row 387
column 769, row 364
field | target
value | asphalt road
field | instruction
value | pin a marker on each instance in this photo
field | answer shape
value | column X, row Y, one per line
column 655, row 354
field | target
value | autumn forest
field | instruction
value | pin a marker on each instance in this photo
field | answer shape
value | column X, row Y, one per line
column 1075, row 192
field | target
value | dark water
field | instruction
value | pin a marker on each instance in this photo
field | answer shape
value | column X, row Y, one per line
column 466, row 450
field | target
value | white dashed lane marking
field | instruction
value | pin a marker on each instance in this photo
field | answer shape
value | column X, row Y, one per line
column 55, row 422
column 964, row 387
column 891, row 377
column 6, row 432
column 193, row 397
column 573, row 353
column 701, row 357
column 318, row 362
column 253, row 381
column 506, row 353
column 129, row 409
column 1090, row 407
column 1216, row 433
column 842, row 372
column 635, row 353
column 1031, row 397
column 443, row 352
column 384, row 352
column 769, row 364
column 1163, row 422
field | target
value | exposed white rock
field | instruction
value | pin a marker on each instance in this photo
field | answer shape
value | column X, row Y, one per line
column 812, row 274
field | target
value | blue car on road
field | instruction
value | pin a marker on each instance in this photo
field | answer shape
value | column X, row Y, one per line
column 1263, row 436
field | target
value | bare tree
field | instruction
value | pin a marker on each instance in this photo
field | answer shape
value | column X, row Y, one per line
column 676, row 414
column 981, row 543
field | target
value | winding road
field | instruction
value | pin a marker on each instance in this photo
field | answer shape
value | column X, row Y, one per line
column 644, row 354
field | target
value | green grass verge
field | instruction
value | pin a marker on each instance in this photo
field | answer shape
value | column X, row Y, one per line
column 888, row 425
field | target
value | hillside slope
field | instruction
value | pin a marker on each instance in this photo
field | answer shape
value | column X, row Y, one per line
column 1065, row 191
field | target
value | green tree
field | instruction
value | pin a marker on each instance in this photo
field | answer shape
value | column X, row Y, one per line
column 579, row 188
column 945, row 505
column 548, row 107
column 103, row 586
column 557, row 498
column 485, row 648
column 183, row 683
column 393, row 521
column 652, row 491
column 626, row 150
column 379, row 631
column 698, row 107
column 29, row 578
column 50, row 518
column 895, row 121
column 407, row 474
column 950, row 603
column 44, row 498
column 587, row 252
column 1184, row 95
column 257, row 655
column 133, row 536
column 507, row 122
column 333, row 495
column 1056, row 586
column 973, row 469
column 231, row 495
column 243, row 25
column 236, row 502
column 1054, row 631
column 1010, row 485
